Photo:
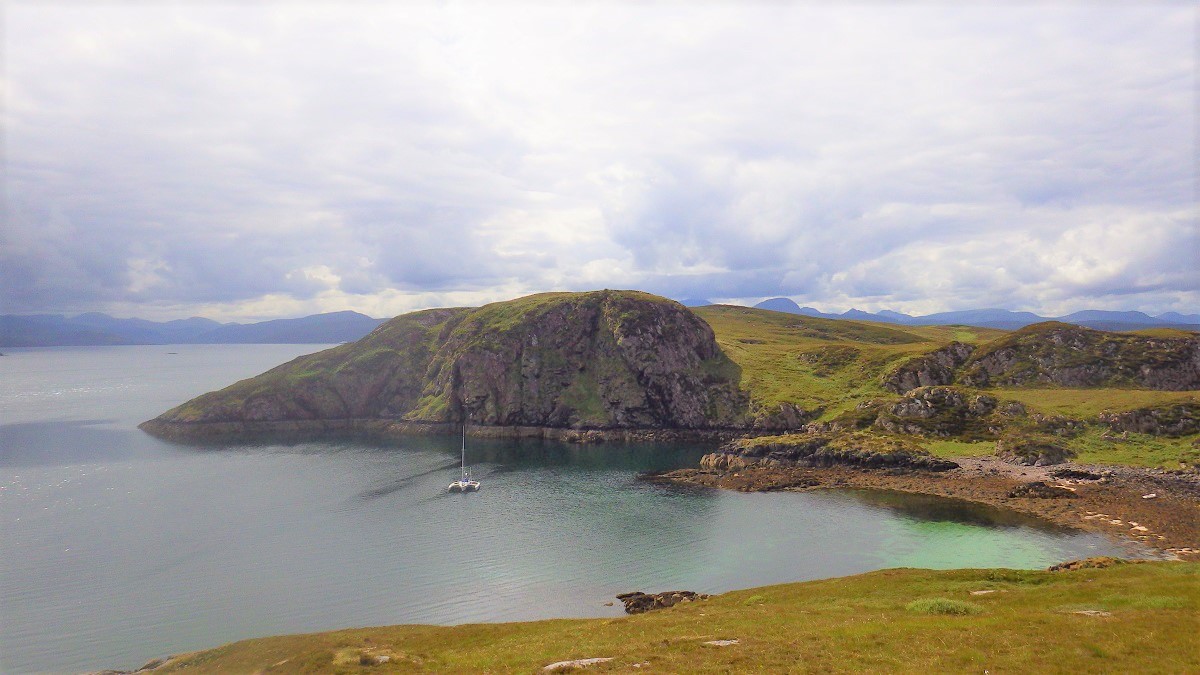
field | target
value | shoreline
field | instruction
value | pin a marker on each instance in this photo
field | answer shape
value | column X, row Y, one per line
column 1112, row 504
column 255, row 431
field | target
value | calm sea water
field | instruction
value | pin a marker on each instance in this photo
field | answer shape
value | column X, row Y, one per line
column 116, row 547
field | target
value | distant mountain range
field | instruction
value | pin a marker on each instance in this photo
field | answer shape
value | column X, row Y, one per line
column 56, row 330
column 1000, row 318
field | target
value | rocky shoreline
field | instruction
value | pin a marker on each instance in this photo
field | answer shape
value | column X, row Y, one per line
column 1152, row 507
column 377, row 429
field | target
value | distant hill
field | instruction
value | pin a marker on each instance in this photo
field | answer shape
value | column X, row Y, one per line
column 56, row 330
column 789, row 306
column 999, row 318
column 331, row 327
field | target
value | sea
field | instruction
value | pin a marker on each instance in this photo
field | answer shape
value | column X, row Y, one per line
column 117, row 547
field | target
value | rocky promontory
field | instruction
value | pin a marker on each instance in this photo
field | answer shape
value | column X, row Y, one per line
column 604, row 360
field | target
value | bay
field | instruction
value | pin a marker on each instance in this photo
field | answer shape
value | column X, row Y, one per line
column 116, row 547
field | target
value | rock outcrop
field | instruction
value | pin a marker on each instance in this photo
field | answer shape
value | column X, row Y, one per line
column 943, row 412
column 1172, row 420
column 599, row 360
column 823, row 449
column 1065, row 355
column 638, row 602
column 1032, row 451
column 934, row 368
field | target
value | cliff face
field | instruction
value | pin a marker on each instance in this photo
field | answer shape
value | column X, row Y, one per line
column 602, row 359
column 1071, row 356
column 606, row 359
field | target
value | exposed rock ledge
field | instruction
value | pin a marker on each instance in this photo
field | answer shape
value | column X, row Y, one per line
column 638, row 602
column 818, row 449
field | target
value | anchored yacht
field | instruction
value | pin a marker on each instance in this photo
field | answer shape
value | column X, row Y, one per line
column 464, row 484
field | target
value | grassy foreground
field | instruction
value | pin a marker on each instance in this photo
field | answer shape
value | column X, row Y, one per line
column 1141, row 618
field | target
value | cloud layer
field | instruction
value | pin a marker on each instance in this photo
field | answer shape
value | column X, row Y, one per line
column 277, row 159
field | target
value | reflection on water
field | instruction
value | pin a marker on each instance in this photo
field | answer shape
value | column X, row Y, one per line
column 949, row 510
column 118, row 547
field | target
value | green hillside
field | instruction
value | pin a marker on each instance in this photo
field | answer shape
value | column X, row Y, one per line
column 830, row 364
column 840, row 366
column 1125, row 618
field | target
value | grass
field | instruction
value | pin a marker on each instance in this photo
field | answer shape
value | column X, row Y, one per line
column 943, row 606
column 1089, row 403
column 1135, row 450
column 815, row 363
column 893, row 620
column 950, row 449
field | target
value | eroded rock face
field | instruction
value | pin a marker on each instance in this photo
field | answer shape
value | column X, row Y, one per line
column 1073, row 356
column 935, row 368
column 609, row 361
column 606, row 359
column 1173, row 420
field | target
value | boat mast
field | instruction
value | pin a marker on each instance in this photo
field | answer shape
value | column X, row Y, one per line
column 464, row 453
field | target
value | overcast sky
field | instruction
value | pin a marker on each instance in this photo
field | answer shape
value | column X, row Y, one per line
column 259, row 160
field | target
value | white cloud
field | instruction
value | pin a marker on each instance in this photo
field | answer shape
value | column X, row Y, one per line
column 231, row 159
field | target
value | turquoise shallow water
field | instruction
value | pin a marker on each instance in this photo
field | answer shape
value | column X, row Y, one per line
column 116, row 547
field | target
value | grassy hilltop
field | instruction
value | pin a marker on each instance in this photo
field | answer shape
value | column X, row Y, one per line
column 1124, row 618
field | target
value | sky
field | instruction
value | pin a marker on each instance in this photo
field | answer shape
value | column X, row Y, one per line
column 248, row 161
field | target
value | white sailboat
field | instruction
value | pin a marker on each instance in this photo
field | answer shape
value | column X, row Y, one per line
column 464, row 484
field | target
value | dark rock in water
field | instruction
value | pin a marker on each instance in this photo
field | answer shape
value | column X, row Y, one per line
column 1039, row 490
column 639, row 602
column 934, row 368
column 1176, row 420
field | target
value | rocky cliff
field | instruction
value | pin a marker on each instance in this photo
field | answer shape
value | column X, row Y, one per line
column 599, row 360
column 1071, row 356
